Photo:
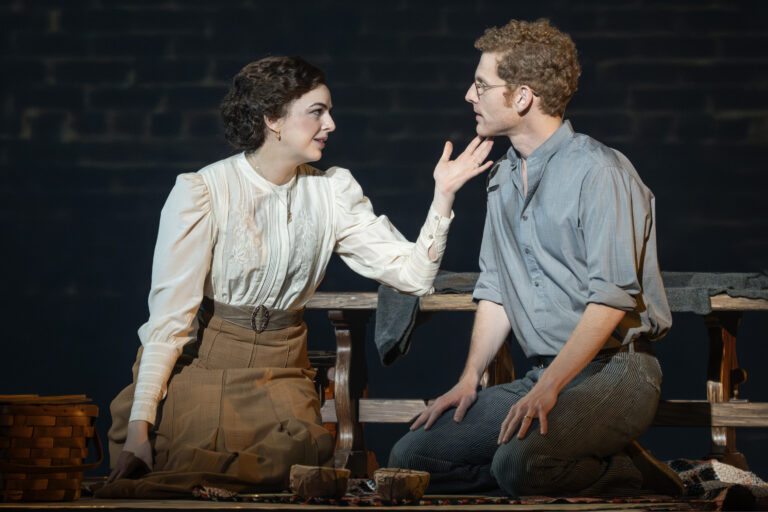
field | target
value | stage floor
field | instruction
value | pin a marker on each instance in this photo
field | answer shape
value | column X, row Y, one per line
column 204, row 505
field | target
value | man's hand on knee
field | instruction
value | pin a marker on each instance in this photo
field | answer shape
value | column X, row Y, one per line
column 461, row 396
column 536, row 404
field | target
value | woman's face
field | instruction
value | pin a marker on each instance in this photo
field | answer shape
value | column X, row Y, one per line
column 305, row 127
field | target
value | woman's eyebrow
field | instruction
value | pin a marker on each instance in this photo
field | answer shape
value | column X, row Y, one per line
column 318, row 103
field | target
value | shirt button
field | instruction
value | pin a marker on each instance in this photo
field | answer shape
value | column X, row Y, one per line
column 527, row 251
column 536, row 284
column 430, row 236
column 525, row 217
column 437, row 217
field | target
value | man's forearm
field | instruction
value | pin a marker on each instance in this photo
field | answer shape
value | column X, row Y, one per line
column 595, row 326
column 489, row 332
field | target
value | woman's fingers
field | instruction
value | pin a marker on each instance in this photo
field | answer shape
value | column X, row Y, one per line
column 473, row 156
column 483, row 150
column 447, row 150
column 472, row 146
column 478, row 153
column 474, row 171
column 483, row 167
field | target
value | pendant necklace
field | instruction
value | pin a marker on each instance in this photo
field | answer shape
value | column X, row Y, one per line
column 290, row 194
column 275, row 188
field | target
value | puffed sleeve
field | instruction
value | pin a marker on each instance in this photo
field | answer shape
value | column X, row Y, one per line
column 487, row 286
column 374, row 248
column 181, row 263
column 615, row 216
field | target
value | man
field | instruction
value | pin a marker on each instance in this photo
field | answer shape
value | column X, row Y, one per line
column 568, row 264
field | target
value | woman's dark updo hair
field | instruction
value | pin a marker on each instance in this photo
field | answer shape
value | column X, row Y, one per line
column 264, row 88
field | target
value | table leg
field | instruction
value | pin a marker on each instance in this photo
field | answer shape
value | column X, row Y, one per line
column 723, row 379
column 350, row 381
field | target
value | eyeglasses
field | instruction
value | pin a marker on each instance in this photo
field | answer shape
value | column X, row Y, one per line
column 481, row 87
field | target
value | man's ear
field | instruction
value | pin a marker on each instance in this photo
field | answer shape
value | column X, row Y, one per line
column 523, row 99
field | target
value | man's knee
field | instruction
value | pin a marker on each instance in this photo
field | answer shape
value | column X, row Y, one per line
column 421, row 450
column 401, row 454
column 521, row 470
column 524, row 469
column 510, row 469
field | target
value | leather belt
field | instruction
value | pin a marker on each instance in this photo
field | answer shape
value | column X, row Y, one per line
column 641, row 345
column 258, row 318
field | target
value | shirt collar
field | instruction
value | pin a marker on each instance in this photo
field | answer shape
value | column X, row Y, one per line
column 536, row 162
column 552, row 144
column 547, row 148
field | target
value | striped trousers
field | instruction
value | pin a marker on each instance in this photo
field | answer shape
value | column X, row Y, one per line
column 611, row 402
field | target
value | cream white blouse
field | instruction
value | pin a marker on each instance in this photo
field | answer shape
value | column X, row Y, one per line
column 224, row 233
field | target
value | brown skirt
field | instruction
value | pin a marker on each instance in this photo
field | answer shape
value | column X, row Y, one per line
column 240, row 404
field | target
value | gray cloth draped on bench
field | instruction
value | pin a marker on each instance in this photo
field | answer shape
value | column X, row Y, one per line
column 397, row 314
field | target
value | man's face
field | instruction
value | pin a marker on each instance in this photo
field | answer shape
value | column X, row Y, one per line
column 492, row 114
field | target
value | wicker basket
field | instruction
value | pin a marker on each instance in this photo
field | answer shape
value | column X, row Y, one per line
column 43, row 442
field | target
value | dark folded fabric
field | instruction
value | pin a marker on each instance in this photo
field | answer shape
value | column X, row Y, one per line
column 395, row 319
column 690, row 291
column 455, row 282
column 396, row 313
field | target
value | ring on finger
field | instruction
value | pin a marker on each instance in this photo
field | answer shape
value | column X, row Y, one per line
column 528, row 417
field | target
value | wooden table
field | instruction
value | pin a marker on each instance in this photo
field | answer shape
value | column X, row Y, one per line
column 723, row 410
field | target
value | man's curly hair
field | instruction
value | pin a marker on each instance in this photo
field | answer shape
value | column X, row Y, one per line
column 538, row 55
column 264, row 88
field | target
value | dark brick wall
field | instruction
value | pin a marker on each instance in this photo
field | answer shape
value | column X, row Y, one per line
column 105, row 101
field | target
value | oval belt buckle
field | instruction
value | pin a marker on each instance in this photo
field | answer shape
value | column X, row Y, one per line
column 260, row 318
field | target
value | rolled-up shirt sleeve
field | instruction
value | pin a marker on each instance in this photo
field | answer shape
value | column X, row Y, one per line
column 181, row 263
column 371, row 246
column 614, row 215
column 487, row 286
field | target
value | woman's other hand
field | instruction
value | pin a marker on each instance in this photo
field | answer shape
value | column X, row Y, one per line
column 451, row 175
column 136, row 457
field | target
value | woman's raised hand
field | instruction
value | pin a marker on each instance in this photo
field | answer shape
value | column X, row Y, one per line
column 451, row 175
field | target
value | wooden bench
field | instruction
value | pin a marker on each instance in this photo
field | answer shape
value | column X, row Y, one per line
column 349, row 313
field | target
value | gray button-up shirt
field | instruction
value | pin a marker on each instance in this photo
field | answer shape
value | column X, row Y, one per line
column 584, row 233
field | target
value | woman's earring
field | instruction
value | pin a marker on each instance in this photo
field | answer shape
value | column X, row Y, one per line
column 278, row 134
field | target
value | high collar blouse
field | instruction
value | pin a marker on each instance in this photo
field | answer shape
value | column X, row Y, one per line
column 225, row 234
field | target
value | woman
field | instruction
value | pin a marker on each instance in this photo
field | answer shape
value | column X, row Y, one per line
column 242, row 245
